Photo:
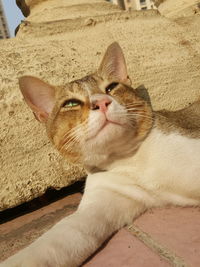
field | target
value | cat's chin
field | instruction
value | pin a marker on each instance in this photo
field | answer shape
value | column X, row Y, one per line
column 106, row 131
column 112, row 142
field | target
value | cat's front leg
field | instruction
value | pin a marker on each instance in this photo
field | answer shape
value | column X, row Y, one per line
column 71, row 241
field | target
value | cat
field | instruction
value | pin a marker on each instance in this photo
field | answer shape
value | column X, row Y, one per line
column 136, row 158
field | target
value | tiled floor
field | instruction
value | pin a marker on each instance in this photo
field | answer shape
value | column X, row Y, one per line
column 178, row 229
column 160, row 237
column 125, row 250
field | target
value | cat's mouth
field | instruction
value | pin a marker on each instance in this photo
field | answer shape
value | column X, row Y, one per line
column 105, row 124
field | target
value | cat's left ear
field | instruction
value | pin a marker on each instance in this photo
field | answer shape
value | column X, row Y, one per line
column 39, row 95
column 113, row 65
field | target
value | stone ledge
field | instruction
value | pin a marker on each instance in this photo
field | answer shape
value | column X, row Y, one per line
column 30, row 29
column 74, row 11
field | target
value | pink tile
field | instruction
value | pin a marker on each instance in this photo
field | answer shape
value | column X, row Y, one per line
column 176, row 228
column 124, row 250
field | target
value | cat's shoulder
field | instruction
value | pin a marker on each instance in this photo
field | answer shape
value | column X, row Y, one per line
column 185, row 121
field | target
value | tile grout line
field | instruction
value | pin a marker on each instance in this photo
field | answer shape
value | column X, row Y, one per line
column 162, row 251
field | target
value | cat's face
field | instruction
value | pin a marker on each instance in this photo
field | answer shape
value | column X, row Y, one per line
column 93, row 120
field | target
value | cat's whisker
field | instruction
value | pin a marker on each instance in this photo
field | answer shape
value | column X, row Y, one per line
column 134, row 103
column 134, row 114
column 140, row 114
column 75, row 128
column 133, row 109
column 136, row 106
column 69, row 138
column 68, row 144
column 73, row 136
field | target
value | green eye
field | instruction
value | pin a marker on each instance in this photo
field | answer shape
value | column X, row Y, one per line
column 71, row 103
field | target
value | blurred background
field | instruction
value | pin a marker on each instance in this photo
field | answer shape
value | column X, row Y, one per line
column 11, row 16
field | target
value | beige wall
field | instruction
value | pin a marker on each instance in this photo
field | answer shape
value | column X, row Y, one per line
column 179, row 8
column 162, row 54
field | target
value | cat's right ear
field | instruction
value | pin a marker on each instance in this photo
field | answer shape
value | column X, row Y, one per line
column 39, row 96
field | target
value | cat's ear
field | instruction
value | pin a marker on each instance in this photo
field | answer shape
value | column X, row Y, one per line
column 39, row 96
column 113, row 65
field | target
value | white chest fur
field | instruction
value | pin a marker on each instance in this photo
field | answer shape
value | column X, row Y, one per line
column 166, row 169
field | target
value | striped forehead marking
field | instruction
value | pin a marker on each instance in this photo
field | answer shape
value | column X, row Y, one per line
column 89, row 84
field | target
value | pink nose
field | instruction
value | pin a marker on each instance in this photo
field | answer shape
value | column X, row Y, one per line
column 101, row 104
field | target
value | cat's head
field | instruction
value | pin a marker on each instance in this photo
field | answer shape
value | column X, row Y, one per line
column 96, row 119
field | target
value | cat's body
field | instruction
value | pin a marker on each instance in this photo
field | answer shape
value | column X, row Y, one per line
column 165, row 169
column 152, row 161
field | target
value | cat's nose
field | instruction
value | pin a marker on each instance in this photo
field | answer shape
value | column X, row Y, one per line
column 101, row 103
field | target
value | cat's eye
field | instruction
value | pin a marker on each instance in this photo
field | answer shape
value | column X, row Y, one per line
column 110, row 87
column 71, row 103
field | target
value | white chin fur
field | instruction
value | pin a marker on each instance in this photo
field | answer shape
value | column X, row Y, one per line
column 104, row 142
